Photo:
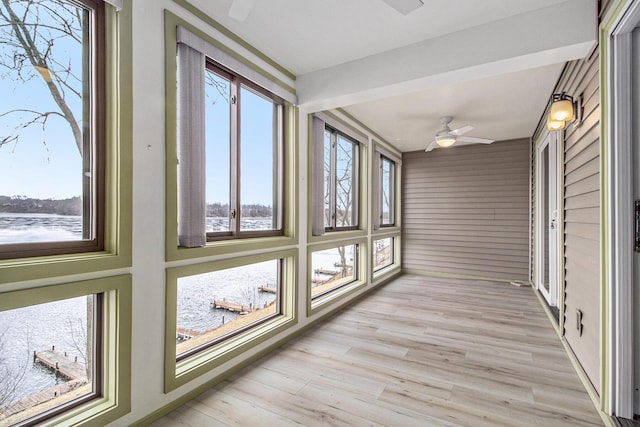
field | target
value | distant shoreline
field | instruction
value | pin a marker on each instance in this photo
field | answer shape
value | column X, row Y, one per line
column 27, row 205
column 73, row 207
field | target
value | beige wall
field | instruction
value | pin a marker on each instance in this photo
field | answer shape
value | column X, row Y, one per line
column 466, row 210
column 581, row 186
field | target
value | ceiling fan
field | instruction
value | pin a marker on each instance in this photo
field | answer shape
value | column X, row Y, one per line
column 447, row 137
column 240, row 9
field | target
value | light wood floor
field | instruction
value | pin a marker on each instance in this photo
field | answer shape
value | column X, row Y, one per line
column 418, row 352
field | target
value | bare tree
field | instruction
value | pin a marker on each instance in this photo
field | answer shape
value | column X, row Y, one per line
column 30, row 32
column 344, row 197
column 76, row 338
column 248, row 296
column 11, row 374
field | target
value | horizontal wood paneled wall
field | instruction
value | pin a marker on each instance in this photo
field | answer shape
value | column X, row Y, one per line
column 582, row 216
column 465, row 210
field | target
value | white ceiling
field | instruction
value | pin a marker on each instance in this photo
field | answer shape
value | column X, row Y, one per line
column 500, row 87
column 499, row 107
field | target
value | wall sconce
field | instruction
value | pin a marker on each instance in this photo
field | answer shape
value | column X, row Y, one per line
column 564, row 109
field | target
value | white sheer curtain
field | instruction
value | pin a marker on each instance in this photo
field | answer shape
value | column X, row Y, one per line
column 377, row 189
column 191, row 147
column 317, row 177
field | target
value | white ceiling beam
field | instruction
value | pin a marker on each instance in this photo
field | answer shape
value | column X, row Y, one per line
column 560, row 33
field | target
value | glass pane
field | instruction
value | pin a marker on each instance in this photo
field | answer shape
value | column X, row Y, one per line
column 332, row 268
column 382, row 253
column 546, row 218
column 387, row 192
column 218, row 151
column 33, row 340
column 345, row 189
column 258, row 162
column 219, row 303
column 327, row 179
column 45, row 129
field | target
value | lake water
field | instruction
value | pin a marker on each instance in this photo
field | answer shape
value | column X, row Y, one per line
column 59, row 324
column 37, row 328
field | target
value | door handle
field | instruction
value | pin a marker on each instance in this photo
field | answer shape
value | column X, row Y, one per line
column 637, row 226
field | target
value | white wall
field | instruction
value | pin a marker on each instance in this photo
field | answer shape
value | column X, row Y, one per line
column 149, row 213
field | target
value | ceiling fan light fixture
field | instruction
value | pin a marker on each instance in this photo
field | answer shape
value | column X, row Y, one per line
column 445, row 140
column 405, row 6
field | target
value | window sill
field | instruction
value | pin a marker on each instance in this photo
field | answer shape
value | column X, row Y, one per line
column 388, row 270
column 338, row 236
column 179, row 373
column 333, row 297
column 230, row 247
column 22, row 269
column 386, row 231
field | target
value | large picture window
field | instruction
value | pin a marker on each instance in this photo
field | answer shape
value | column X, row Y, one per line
column 48, row 357
column 219, row 304
column 340, row 181
column 244, row 128
column 333, row 268
column 51, row 127
column 230, row 146
column 382, row 253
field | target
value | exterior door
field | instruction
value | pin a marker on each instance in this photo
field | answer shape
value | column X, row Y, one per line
column 635, row 138
column 547, row 224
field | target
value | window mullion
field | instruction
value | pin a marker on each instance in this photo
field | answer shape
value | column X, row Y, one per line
column 381, row 161
column 355, row 184
column 278, row 167
column 334, row 179
column 234, row 199
column 392, row 193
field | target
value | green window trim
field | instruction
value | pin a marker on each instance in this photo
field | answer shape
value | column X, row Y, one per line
column 314, row 305
column 179, row 373
column 392, row 268
column 118, row 173
column 116, row 354
column 290, row 167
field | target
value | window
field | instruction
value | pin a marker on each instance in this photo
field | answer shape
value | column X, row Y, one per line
column 230, row 146
column 340, row 181
column 219, row 304
column 386, row 191
column 244, row 128
column 51, row 127
column 333, row 268
column 382, row 253
column 48, row 357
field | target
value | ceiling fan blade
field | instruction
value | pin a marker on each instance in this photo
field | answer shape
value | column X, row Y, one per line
column 462, row 130
column 404, row 6
column 240, row 9
column 472, row 140
column 431, row 146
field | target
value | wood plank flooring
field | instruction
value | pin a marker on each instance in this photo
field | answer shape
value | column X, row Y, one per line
column 418, row 352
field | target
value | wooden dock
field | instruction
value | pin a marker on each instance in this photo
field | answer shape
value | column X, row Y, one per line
column 30, row 402
column 268, row 289
column 184, row 334
column 61, row 364
column 231, row 306
column 326, row 272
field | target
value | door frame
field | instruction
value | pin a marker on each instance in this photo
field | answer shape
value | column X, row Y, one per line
column 617, row 207
column 552, row 140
